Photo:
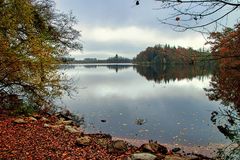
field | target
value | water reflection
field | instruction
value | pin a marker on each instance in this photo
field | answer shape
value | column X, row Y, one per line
column 115, row 67
column 169, row 111
column 166, row 73
column 225, row 87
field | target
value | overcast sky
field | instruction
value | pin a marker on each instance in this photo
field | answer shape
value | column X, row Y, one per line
column 110, row 27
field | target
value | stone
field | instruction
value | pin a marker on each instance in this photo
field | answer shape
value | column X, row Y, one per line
column 83, row 141
column 66, row 114
column 71, row 129
column 102, row 135
column 175, row 157
column 118, row 146
column 32, row 119
column 153, row 147
column 102, row 142
column 56, row 126
column 37, row 116
column 20, row 121
column 126, row 158
column 176, row 150
column 46, row 125
column 143, row 156
column 147, row 148
column 44, row 119
column 62, row 121
column 51, row 126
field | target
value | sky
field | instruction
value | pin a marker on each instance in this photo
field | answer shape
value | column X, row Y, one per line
column 110, row 27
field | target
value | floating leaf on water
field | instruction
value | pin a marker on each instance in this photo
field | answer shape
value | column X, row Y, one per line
column 103, row 120
column 162, row 131
column 140, row 121
column 143, row 130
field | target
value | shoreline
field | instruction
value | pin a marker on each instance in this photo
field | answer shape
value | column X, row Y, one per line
column 207, row 150
column 59, row 132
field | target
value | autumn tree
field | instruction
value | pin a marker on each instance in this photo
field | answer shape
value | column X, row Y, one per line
column 225, row 84
column 225, row 87
column 225, row 47
column 198, row 15
column 32, row 37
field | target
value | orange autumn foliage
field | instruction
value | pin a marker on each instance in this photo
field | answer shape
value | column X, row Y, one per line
column 226, row 47
column 225, row 85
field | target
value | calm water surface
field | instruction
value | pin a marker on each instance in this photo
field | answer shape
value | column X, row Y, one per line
column 168, row 105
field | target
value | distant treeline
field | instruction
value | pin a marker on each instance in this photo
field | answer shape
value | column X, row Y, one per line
column 164, row 54
column 159, row 54
column 115, row 59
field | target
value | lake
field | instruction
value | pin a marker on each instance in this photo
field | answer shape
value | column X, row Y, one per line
column 167, row 104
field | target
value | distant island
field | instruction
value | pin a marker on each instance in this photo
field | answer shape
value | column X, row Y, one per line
column 167, row 55
column 115, row 59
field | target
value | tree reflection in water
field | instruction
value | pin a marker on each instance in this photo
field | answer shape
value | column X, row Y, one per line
column 225, row 87
column 165, row 73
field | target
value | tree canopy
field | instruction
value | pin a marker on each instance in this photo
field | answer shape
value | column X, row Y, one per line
column 225, row 85
column 33, row 34
column 164, row 54
column 225, row 47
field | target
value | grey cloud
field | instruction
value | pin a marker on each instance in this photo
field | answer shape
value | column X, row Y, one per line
column 112, row 12
column 116, row 14
column 115, row 47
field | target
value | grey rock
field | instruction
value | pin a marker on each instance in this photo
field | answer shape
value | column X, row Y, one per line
column 175, row 157
column 83, row 141
column 147, row 148
column 66, row 114
column 143, row 156
column 176, row 150
column 102, row 142
column 62, row 121
column 46, row 125
column 153, row 147
column 20, row 121
column 118, row 146
column 32, row 119
column 71, row 129
column 51, row 126
column 37, row 116
column 44, row 119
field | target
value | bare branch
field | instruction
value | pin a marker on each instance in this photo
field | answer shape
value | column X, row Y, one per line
column 196, row 14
